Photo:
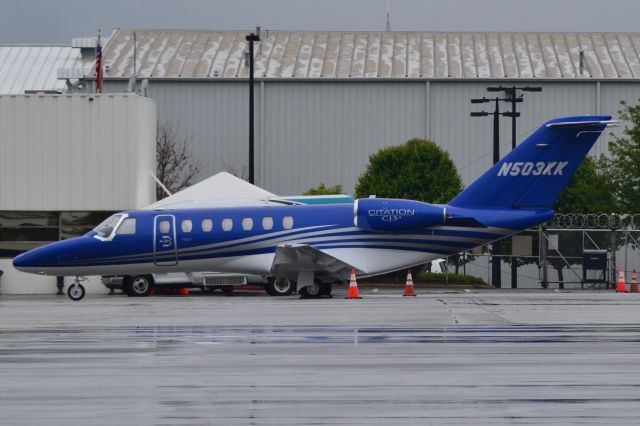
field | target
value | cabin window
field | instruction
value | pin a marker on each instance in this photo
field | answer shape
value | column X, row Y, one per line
column 164, row 226
column 267, row 223
column 207, row 225
column 186, row 225
column 287, row 222
column 127, row 227
column 227, row 224
column 247, row 224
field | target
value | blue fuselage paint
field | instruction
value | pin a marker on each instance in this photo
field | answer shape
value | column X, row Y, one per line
column 321, row 226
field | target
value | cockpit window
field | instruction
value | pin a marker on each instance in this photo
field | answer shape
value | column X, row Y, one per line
column 127, row 227
column 105, row 229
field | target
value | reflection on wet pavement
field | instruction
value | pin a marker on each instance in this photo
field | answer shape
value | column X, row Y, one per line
column 232, row 361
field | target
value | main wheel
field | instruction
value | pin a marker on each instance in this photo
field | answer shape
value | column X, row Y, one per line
column 76, row 292
column 138, row 286
column 311, row 291
column 279, row 286
column 325, row 289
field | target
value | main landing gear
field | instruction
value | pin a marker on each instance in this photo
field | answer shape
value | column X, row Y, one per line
column 280, row 286
column 76, row 290
column 315, row 290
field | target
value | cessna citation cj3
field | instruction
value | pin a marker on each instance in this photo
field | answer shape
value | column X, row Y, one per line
column 313, row 245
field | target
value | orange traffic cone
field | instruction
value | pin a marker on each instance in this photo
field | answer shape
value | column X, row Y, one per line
column 353, row 286
column 622, row 286
column 634, row 283
column 408, row 287
column 184, row 291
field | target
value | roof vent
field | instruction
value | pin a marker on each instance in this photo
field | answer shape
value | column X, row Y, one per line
column 70, row 73
column 87, row 46
column 84, row 42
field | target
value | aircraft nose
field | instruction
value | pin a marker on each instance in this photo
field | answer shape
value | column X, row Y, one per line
column 40, row 259
column 52, row 258
column 25, row 262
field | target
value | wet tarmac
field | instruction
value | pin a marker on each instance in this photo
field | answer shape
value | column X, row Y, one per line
column 478, row 357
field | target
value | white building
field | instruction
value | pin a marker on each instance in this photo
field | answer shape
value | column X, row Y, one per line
column 66, row 163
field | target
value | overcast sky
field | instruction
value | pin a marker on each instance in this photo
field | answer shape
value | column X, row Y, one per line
column 57, row 21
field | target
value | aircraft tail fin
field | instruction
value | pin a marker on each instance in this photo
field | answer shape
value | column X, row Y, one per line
column 535, row 173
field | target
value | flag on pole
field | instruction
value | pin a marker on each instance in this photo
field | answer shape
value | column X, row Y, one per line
column 99, row 71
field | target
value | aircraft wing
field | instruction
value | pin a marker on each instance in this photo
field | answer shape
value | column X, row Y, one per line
column 290, row 259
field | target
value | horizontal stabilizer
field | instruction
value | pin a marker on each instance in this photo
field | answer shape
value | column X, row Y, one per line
column 608, row 123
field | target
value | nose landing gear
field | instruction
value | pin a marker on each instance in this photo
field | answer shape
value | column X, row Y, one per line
column 76, row 290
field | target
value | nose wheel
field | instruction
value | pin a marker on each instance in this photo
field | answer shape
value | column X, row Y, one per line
column 76, row 290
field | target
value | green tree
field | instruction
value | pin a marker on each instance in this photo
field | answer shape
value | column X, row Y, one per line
column 589, row 191
column 623, row 164
column 417, row 170
column 322, row 189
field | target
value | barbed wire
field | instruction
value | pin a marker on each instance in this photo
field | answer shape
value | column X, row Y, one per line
column 595, row 221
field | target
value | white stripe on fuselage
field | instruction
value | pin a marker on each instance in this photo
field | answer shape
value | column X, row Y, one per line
column 275, row 239
column 371, row 261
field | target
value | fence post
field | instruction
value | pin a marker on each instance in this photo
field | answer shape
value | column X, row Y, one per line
column 614, row 261
column 543, row 257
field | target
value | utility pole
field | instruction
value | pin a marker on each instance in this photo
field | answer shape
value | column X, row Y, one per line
column 496, row 278
column 510, row 96
column 251, row 38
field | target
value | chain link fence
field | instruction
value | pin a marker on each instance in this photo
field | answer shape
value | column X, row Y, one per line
column 574, row 251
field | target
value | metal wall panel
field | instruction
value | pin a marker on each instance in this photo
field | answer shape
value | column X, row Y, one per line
column 76, row 152
column 469, row 140
column 324, row 132
column 214, row 116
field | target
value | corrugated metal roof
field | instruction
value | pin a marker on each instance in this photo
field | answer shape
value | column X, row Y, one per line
column 25, row 68
column 323, row 54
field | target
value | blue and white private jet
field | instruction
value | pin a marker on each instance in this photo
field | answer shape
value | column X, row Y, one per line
column 311, row 246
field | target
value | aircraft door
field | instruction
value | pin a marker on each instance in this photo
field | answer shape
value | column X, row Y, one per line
column 165, row 249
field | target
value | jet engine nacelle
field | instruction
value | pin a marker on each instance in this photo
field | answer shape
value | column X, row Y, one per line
column 393, row 215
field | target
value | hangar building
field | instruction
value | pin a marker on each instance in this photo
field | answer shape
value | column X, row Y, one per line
column 67, row 160
column 325, row 101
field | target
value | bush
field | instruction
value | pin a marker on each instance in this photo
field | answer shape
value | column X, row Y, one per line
column 437, row 277
column 323, row 189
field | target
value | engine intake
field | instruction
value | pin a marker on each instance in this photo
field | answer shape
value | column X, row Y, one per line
column 393, row 215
